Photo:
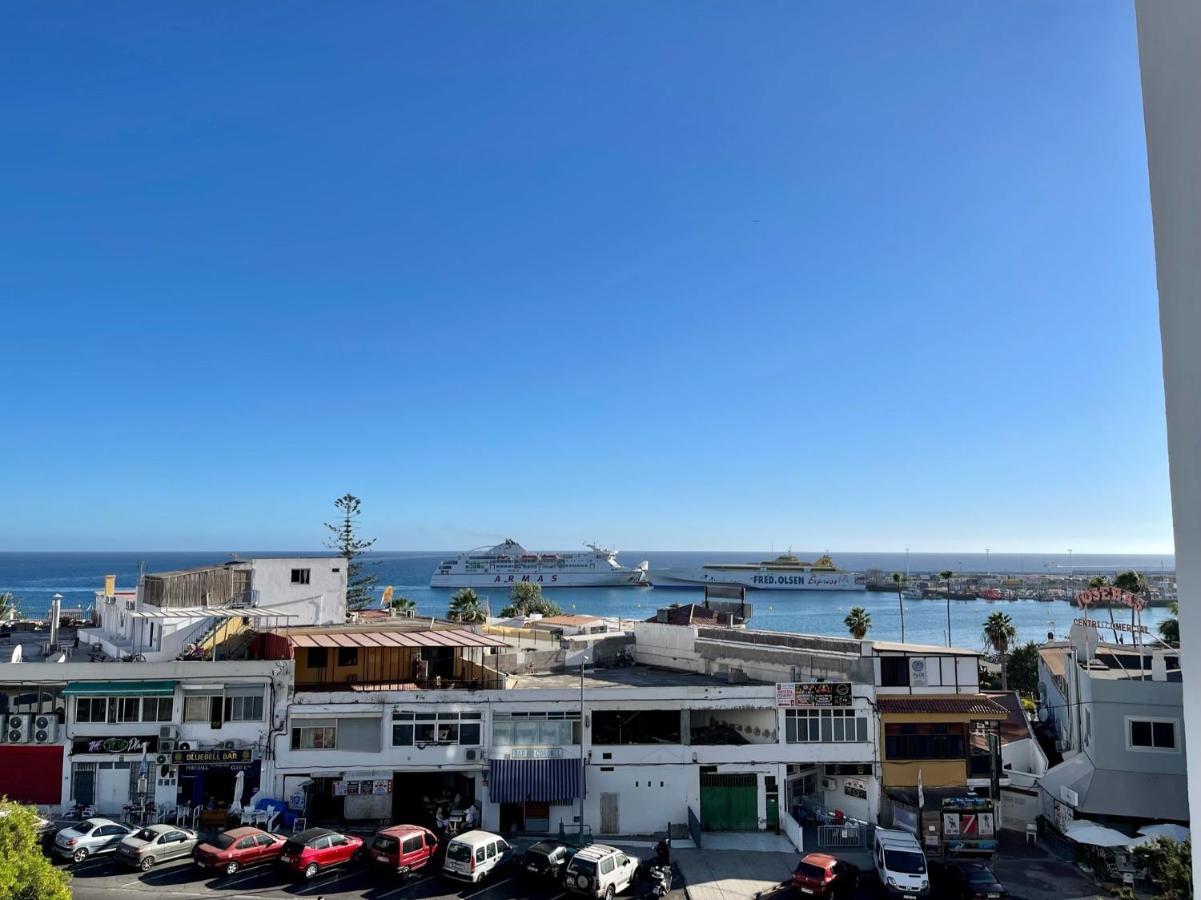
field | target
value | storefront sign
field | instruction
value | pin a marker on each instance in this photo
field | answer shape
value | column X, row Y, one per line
column 1114, row 626
column 211, row 757
column 356, row 788
column 536, row 753
column 1111, row 594
column 813, row 693
column 853, row 787
column 114, row 745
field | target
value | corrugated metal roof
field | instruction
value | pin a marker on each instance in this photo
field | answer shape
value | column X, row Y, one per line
column 966, row 704
column 453, row 637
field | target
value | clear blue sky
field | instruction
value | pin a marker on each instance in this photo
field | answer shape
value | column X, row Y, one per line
column 668, row 275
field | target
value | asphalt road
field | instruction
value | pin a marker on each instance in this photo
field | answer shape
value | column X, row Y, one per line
column 105, row 878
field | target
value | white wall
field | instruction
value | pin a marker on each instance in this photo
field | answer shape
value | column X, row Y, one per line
column 320, row 602
column 1169, row 33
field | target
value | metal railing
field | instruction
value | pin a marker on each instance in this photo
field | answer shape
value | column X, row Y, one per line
column 850, row 834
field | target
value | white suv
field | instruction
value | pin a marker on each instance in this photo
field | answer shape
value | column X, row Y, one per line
column 600, row 871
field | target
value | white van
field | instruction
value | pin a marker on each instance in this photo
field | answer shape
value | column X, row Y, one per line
column 900, row 864
column 473, row 855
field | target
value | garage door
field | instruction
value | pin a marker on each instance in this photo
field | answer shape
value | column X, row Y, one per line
column 32, row 774
column 729, row 802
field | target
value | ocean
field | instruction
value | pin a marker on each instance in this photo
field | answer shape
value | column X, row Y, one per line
column 34, row 577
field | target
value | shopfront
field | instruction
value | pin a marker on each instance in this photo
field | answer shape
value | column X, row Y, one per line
column 209, row 778
column 112, row 772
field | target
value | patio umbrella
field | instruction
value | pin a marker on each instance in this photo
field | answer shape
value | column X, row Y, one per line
column 235, row 805
column 1082, row 831
column 1166, row 830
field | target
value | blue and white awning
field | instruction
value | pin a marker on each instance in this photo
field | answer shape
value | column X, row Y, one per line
column 534, row 780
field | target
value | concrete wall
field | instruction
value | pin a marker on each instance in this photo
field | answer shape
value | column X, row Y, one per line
column 1110, row 703
column 1169, row 33
column 320, row 602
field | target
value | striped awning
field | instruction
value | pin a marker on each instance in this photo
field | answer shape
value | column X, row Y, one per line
column 533, row 780
column 333, row 638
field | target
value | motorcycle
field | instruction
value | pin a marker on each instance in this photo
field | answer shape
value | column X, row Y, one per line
column 660, row 877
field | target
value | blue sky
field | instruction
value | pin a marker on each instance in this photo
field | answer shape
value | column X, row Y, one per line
column 670, row 275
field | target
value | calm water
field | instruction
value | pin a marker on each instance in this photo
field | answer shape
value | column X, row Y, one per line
column 34, row 577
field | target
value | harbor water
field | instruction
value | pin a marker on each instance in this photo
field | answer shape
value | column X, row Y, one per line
column 34, row 577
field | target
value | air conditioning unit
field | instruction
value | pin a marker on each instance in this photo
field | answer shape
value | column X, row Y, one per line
column 166, row 744
column 829, row 784
column 16, row 728
column 183, row 745
column 163, row 759
column 470, row 754
column 45, row 729
column 168, row 732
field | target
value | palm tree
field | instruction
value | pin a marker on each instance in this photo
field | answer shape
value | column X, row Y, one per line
column 1099, row 581
column 1169, row 629
column 8, row 607
column 403, row 606
column 945, row 575
column 899, row 580
column 858, row 621
column 1134, row 583
column 999, row 633
column 465, row 607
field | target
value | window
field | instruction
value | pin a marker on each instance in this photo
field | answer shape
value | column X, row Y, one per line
column 301, row 576
column 157, row 709
column 1152, row 734
column 606, row 865
column 925, row 741
column 247, row 708
column 646, row 726
column 536, row 729
column 411, row 844
column 839, row 726
column 318, row 657
column 348, row 656
column 90, row 709
column 314, row 737
column 462, row 728
column 894, row 671
column 246, row 843
column 265, row 840
column 197, row 708
column 124, row 709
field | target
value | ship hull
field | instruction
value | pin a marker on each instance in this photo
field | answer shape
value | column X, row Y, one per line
column 627, row 578
column 756, row 580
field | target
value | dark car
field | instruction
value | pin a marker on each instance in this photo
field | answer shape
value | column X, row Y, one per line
column 403, row 849
column 822, row 875
column 972, row 881
column 546, row 860
column 237, row 849
column 317, row 849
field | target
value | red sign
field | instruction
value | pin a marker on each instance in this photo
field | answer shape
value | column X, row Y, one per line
column 1110, row 594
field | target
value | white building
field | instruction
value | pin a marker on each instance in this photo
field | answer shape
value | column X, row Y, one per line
column 187, row 613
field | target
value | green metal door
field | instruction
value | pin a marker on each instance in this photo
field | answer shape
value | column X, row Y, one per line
column 729, row 802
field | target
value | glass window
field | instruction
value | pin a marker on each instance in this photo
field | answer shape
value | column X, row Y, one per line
column 244, row 709
column 246, row 843
column 411, row 844
column 157, row 709
column 348, row 656
column 124, row 709
column 321, row 737
column 828, row 725
column 1151, row 735
column 197, row 708
column 265, row 840
column 301, row 576
column 469, row 734
column 606, row 865
column 90, row 709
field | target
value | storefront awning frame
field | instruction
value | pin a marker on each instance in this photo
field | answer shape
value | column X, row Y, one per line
column 156, row 688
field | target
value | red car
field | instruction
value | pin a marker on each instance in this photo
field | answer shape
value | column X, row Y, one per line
column 238, row 848
column 821, row 875
column 403, row 848
column 317, row 849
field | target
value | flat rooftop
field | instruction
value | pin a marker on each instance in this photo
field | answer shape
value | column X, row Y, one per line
column 623, row 677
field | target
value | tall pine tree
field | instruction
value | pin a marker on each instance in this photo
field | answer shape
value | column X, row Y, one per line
column 344, row 537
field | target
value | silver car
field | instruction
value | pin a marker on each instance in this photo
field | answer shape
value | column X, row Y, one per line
column 155, row 844
column 89, row 838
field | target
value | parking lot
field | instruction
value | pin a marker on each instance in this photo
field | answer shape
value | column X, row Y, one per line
column 106, row 878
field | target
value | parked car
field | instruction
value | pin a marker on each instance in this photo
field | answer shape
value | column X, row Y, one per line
column 600, row 871
column 546, row 860
column 402, row 849
column 972, row 880
column 474, row 855
column 822, row 875
column 900, row 864
column 237, row 849
column 90, row 837
column 317, row 849
column 156, row 843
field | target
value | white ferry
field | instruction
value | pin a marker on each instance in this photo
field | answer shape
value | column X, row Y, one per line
column 509, row 562
column 784, row 573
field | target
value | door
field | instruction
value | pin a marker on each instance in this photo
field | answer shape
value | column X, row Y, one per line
column 729, row 802
column 112, row 789
column 609, row 814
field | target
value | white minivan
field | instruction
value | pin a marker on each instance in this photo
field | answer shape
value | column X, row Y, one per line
column 900, row 864
column 473, row 855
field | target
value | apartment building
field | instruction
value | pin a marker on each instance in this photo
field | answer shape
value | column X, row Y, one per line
column 1118, row 718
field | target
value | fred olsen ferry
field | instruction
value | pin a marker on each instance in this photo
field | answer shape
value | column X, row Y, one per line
column 509, row 562
column 784, row 573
